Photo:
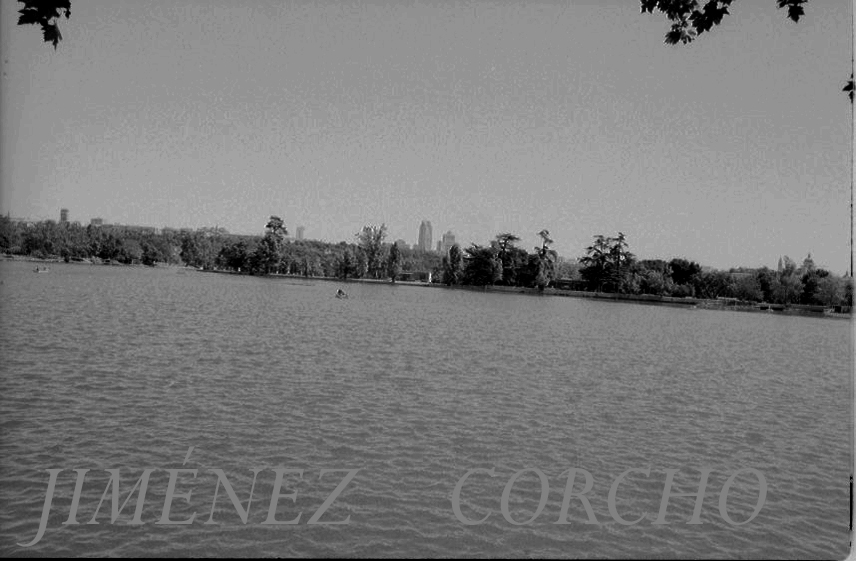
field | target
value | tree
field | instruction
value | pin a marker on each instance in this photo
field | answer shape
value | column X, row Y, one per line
column 595, row 262
column 546, row 261
column 684, row 271
column 830, row 291
column 265, row 259
column 196, row 250
column 789, row 267
column 787, row 289
column 654, row 282
column 132, row 252
column 810, row 279
column 619, row 256
column 151, row 253
column 361, row 263
column 567, row 269
column 654, row 277
column 482, row 267
column 505, row 243
column 810, row 283
column 713, row 284
column 393, row 263
column 111, row 247
column 516, row 270
column 506, row 240
column 766, row 280
column 276, row 227
column 748, row 288
column 10, row 236
column 370, row 241
column 346, row 264
column 267, row 256
column 607, row 264
column 452, row 266
column 234, row 256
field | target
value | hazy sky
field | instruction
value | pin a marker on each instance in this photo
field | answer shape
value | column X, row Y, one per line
column 482, row 117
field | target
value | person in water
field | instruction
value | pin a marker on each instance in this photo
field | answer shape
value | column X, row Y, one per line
column 341, row 294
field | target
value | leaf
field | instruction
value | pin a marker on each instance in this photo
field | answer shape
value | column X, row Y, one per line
column 51, row 34
column 849, row 88
column 681, row 9
column 795, row 9
column 63, row 5
column 795, row 12
column 29, row 17
column 45, row 13
column 710, row 17
column 648, row 6
column 679, row 33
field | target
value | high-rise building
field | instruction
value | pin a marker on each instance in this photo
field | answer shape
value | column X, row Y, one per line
column 402, row 244
column 97, row 221
column 448, row 241
column 63, row 215
column 424, row 236
column 439, row 246
column 300, row 230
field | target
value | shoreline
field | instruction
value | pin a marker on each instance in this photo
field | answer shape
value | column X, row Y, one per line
column 686, row 303
column 81, row 261
column 650, row 299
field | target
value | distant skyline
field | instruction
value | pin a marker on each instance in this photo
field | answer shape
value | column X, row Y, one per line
column 426, row 238
column 480, row 117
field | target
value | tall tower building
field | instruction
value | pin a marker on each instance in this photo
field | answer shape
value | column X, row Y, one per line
column 448, row 241
column 63, row 215
column 425, row 236
column 300, row 230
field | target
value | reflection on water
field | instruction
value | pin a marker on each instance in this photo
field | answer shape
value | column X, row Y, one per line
column 128, row 368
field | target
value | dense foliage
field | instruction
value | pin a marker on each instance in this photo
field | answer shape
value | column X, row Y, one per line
column 45, row 14
column 691, row 18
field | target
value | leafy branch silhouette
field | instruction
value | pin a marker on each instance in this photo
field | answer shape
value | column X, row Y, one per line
column 690, row 18
column 45, row 13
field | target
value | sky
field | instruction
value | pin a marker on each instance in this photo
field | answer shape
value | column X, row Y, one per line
column 482, row 117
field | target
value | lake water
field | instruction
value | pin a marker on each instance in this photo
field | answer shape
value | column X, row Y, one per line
column 128, row 368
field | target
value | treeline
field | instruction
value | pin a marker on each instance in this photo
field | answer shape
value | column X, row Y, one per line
column 71, row 241
column 606, row 266
column 211, row 248
column 609, row 266
column 501, row 262
column 367, row 257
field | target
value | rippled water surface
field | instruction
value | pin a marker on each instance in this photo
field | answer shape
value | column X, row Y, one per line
column 128, row 368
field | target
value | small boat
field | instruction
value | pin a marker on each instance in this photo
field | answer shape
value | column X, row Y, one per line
column 341, row 294
column 41, row 270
